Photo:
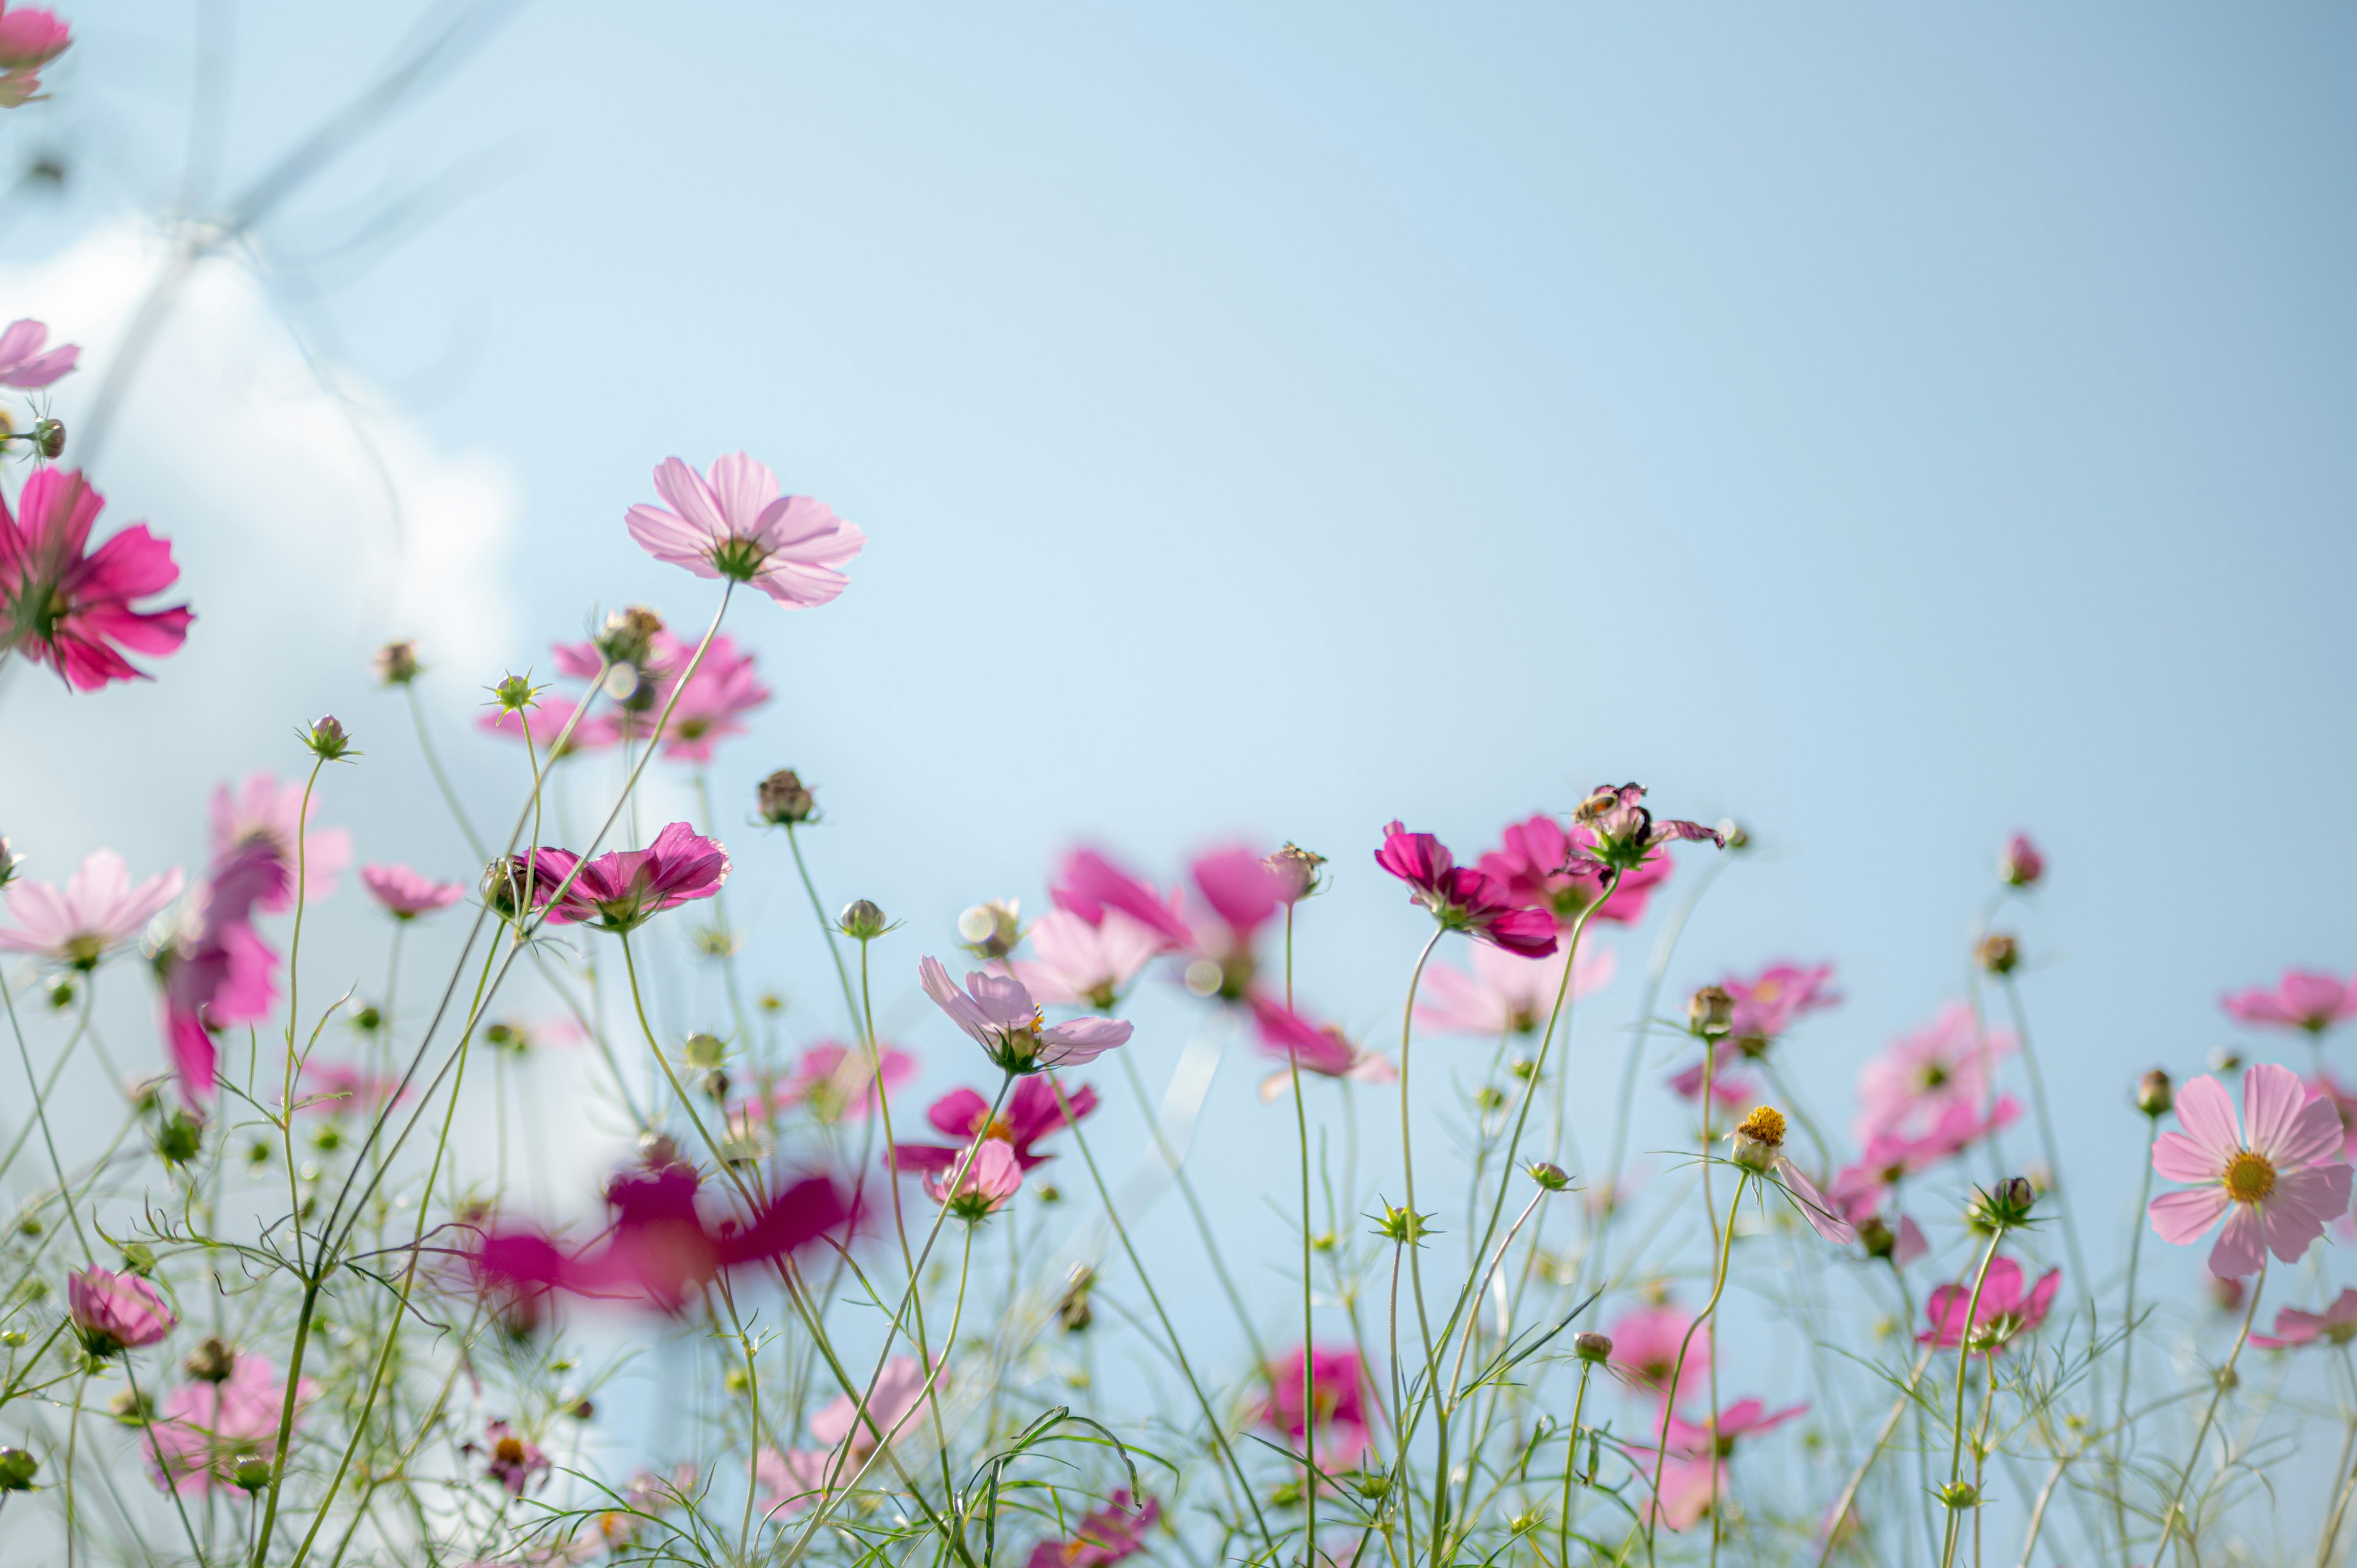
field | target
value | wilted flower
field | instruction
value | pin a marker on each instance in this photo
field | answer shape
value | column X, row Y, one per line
column 999, row 1016
column 2277, row 1188
column 1998, row 953
column 1757, row 1143
column 738, row 525
column 405, row 895
column 1295, row 870
column 1710, row 1011
column 116, row 1312
column 69, row 607
column 96, row 912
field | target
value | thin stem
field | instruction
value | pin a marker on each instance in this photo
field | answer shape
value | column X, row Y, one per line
column 2221, row 1381
column 1678, row 1368
column 2128, row 1334
column 1308, row 1323
column 1570, row 1468
column 826, row 926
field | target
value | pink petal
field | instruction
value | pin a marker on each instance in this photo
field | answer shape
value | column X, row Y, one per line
column 2181, row 1217
column 2241, row 1247
column 2179, row 1158
column 2207, row 1113
column 2273, row 1098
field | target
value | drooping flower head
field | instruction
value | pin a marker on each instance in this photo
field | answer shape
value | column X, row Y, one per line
column 2276, row 1176
column 216, row 970
column 622, row 890
column 96, row 912
column 265, row 812
column 404, row 894
column 2336, row 1325
column 69, row 607
column 1328, row 1385
column 1506, row 992
column 2006, row 1311
column 21, row 361
column 740, row 525
column 998, row 1014
column 1030, row 1113
column 2305, row 999
column 1105, row 1536
column 1951, row 1061
column 1320, row 1049
column 209, row 1427
column 1461, row 897
column 113, row 1313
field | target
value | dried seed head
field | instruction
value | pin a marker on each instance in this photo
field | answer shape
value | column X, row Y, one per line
column 212, row 1361
column 629, row 636
column 1296, row 869
column 783, row 800
column 1710, row 1011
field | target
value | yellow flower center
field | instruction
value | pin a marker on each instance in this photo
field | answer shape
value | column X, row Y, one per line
column 1765, row 1124
column 508, row 1451
column 2250, row 1176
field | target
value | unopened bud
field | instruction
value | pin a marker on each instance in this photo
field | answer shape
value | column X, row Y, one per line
column 1875, row 1236
column 2020, row 865
column 703, row 1051
column 17, row 1469
column 862, row 920
column 991, row 930
column 2155, row 1094
column 396, row 663
column 1959, row 1495
column 514, row 694
column 1295, row 870
column 179, row 1138
column 1549, row 1175
column 716, row 1085
column 48, row 437
column 657, row 1152
column 212, row 1361
column 252, row 1475
column 10, row 861
column 1593, row 1346
column 2004, row 1206
column 327, row 739
column 1710, row 1011
column 783, row 800
column 628, row 635
column 1998, row 952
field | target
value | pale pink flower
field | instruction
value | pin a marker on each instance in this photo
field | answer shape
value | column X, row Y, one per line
column 332, row 1088
column 1320, row 1049
column 510, row 1460
column 1696, row 1471
column 793, row 1480
column 839, row 1084
column 405, row 895
column 1077, row 964
column 22, row 363
column 983, row 1181
column 544, row 722
column 998, row 1014
column 1505, row 993
column 2336, row 1325
column 1105, row 1536
column 2327, row 1088
column 1889, row 1158
column 2006, row 1310
column 69, row 607
column 116, row 1312
column 206, row 1430
column 1924, row 1075
column 2277, row 1176
column 96, row 912
column 264, row 811
column 1646, row 1346
column 2304, row 999
column 740, row 525
column 723, row 689
column 1772, row 1002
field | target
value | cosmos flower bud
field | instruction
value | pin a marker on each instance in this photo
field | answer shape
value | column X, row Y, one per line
column 783, row 800
column 628, row 635
column 1295, row 870
column 1998, row 952
column 502, row 889
column 252, row 1475
column 862, row 920
column 49, row 437
column 210, row 1363
column 179, row 1138
column 10, row 861
column 17, row 1469
column 716, row 1085
column 1592, row 1346
column 1549, row 1175
column 1959, row 1495
column 2002, row 1206
column 1759, row 1139
column 1401, row 1225
column 1710, row 1011
column 327, row 739
column 991, row 930
column 1876, row 1237
column 2155, row 1094
column 396, row 663
column 2020, row 865
column 703, row 1051
column 514, row 694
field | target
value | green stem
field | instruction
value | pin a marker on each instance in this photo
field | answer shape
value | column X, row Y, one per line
column 2221, row 1381
column 826, row 926
column 1308, row 1322
column 1678, row 1367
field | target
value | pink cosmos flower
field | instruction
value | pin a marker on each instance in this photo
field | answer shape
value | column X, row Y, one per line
column 263, row 811
column 1241, row 892
column 2303, row 999
column 22, row 363
column 2007, row 1312
column 97, row 912
column 1729, row 1086
column 31, row 38
column 1336, row 1381
column 405, row 895
column 839, row 1084
column 660, row 1249
column 1697, row 1468
column 2277, row 1187
column 622, row 890
column 206, row 1429
column 66, row 606
column 1092, row 887
column 1770, row 1003
column 2325, row 1087
column 1548, row 867
column 1320, row 1049
column 1461, row 897
column 1645, row 1346
column 722, row 691
column 116, row 1312
column 2020, row 863
column 1077, row 964
column 739, row 526
column 984, row 1183
column 1505, row 993
column 510, row 1459
column 544, row 722
column 1105, row 1536
column 1626, row 832
column 217, row 971
column 333, row 1089
column 1861, row 1190
column 792, row 1481
column 1923, row 1076
column 1000, row 1016
column 1031, row 1113
column 2336, row 1325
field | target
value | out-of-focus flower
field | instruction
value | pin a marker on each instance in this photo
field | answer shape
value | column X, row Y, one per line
column 986, row 1176
column 1076, row 964
column 1296, row 872
column 334, row 1088
column 713, row 702
column 211, row 1427
column 1462, row 899
column 1758, row 1145
column 216, row 970
column 2007, row 1311
column 2336, row 1325
column 69, row 607
column 2277, row 1187
column 405, row 895
column 396, row 663
column 1770, row 1003
column 1323, row 1050
column 1646, row 1346
column 1695, row 1468
column 264, row 811
column 2327, row 1088
column 1924, row 1075
column 1505, row 993
column 545, row 721
column 116, row 1312
column 1627, row 834
column 510, row 1458
column 1106, row 1535
column 738, row 525
column 793, row 1480
column 96, row 912
column 1324, row 1386
column 839, row 1083
column 783, row 797
column 660, row 1249
column 2304, row 999
column 2155, row 1094
column 622, row 890
column 2018, row 864
column 1549, row 866
column 1860, row 1188
column 1030, row 1113
column 1000, row 1016
column 23, row 362
column 1240, row 893
column 1090, row 886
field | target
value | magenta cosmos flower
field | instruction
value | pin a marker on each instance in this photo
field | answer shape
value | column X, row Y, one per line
column 21, row 361
column 69, row 607
column 839, row 1084
column 739, row 526
column 1328, row 1384
column 29, row 40
column 978, row 1182
column 1239, row 891
column 1093, row 888
column 1076, row 964
column 206, row 1429
column 96, row 912
column 1030, row 1113
column 405, row 895
column 998, row 1014
column 1696, row 1471
column 623, row 890
column 2277, row 1176
column 1770, row 1003
column 2006, row 1310
column 1923, row 1076
column 1547, row 866
column 1506, row 994
column 262, row 809
column 1320, row 1049
column 2336, row 1325
column 116, row 1312
column 217, row 971
column 2304, row 999
column 1105, row 1536
column 1462, row 899
column 1645, row 1347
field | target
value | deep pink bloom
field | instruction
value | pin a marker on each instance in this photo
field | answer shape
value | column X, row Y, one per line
column 97, row 911
column 839, row 1084
column 2277, row 1187
column 1729, row 1086
column 1106, row 1535
column 1075, row 963
column 740, row 526
column 1335, row 1380
column 622, row 890
column 332, row 1088
column 264, row 811
column 1030, row 1113
column 1240, row 892
column 1320, row 1049
column 22, row 363
column 1951, row 1061
column 660, row 1249
column 2336, row 1325
column 405, row 895
column 1089, row 885
column 1461, row 897
column 2007, row 1311
column 1506, row 992
column 206, row 1430
column 1000, row 1016
column 31, row 38
column 1239, row 887
column 1549, row 866
column 544, row 722
column 1646, row 1346
column 1772, row 1002
column 792, row 1481
column 217, row 972
column 2020, row 863
column 2303, row 999
column 983, row 1181
column 1696, row 1471
column 1890, row 1158
column 69, row 607
column 510, row 1459
column 116, row 1312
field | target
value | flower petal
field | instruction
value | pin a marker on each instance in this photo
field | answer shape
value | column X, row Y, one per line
column 2207, row 1113
column 2179, row 1158
column 2241, row 1249
column 2183, row 1217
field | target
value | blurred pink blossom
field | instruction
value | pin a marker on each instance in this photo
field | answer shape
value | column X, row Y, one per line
column 264, row 811
column 2006, row 1310
column 1323, row 1050
column 97, row 911
column 510, row 1459
column 69, row 607
column 740, row 526
column 544, row 722
column 1646, row 1346
column 2020, row 863
column 1075, row 963
column 206, row 1430
column 1505, row 993
column 21, row 361
column 1336, row 1381
column 334, row 1088
column 2277, row 1188
column 2336, row 1325
column 1696, row 1471
column 1772, row 1002
column 793, row 1480
column 1923, row 1076
column 116, row 1312
column 839, row 1084
column 405, row 894
column 1104, row 1536
column 2304, row 999
column 217, row 971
